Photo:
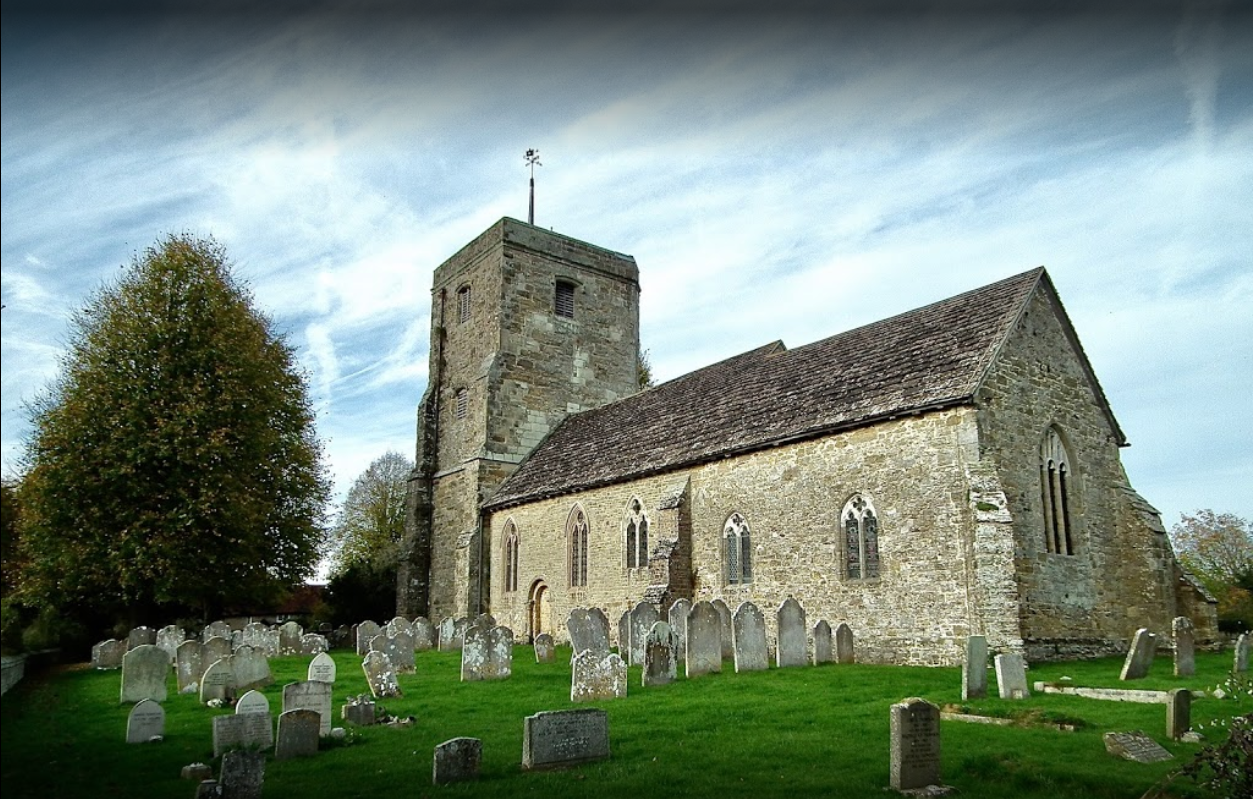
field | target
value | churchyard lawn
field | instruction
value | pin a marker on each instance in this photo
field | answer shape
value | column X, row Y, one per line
column 794, row 732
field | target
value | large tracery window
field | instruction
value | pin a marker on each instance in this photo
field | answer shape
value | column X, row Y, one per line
column 1055, row 494
column 738, row 550
column 576, row 537
column 511, row 556
column 861, row 539
column 636, row 536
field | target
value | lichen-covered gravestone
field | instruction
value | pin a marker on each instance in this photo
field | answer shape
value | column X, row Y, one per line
column 310, row 695
column 399, row 625
column 975, row 668
column 145, row 722
column 1135, row 746
column 108, row 654
column 289, row 635
column 242, row 775
column 1140, row 656
column 844, row 648
column 915, row 745
column 252, row 668
column 169, row 637
column 1178, row 713
column 823, row 651
column 728, row 638
column 216, row 648
column 642, row 618
column 456, row 760
column 141, row 636
column 189, row 665
column 423, row 634
column 1240, row 664
column 676, row 617
column 1185, row 646
column 322, row 668
column 704, row 640
column 559, row 738
column 366, row 631
column 313, row 644
column 242, row 731
column 486, row 653
column 216, row 629
column 748, row 632
column 793, row 648
column 586, row 633
column 544, row 648
column 359, row 710
column 380, row 675
column 298, row 733
column 145, row 669
column 661, row 659
column 1011, row 676
column 594, row 677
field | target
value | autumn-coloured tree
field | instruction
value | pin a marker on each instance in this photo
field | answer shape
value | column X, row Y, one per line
column 1218, row 549
column 173, row 464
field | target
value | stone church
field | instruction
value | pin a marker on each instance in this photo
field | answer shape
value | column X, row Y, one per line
column 950, row 471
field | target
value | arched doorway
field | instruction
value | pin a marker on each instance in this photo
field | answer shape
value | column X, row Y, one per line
column 541, row 612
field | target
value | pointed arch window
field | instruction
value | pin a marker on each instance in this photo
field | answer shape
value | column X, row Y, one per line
column 511, row 557
column 636, row 536
column 576, row 538
column 1055, row 478
column 738, row 550
column 861, row 539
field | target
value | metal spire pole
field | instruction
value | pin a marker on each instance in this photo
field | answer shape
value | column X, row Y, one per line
column 532, row 161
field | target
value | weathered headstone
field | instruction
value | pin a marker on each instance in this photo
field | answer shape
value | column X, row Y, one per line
column 600, row 625
column 624, row 635
column 398, row 648
column 748, row 633
column 252, row 702
column 823, row 651
column 544, row 648
column 255, row 635
column 145, row 722
column 1011, row 676
column 486, row 653
column 676, row 617
column 594, row 676
column 242, row 775
column 642, row 618
column 145, row 672
column 724, row 617
column 216, row 629
column 423, row 635
column 366, row 631
column 313, row 644
column 310, row 695
column 1140, row 656
column 793, row 644
column 661, row 656
column 218, row 681
column 915, row 748
column 189, row 665
column 1240, row 662
column 457, row 760
column 400, row 624
column 289, row 635
column 1135, row 746
column 252, row 669
column 169, row 637
column 359, row 710
column 380, row 675
column 242, row 731
column 141, row 636
column 1185, row 646
column 975, row 668
column 216, row 648
column 704, row 640
column 586, row 632
column 108, row 654
column 1178, row 713
column 844, row 649
column 448, row 635
column 298, row 733
column 483, row 620
column 322, row 668
column 557, row 738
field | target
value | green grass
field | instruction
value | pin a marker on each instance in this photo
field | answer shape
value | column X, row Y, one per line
column 784, row 732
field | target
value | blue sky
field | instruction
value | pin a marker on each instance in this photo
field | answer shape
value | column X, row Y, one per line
column 777, row 176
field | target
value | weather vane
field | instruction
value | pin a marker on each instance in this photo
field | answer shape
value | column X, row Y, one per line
column 532, row 161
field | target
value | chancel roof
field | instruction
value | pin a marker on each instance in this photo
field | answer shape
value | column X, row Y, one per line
column 929, row 358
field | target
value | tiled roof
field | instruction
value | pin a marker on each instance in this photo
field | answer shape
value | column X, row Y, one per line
column 932, row 357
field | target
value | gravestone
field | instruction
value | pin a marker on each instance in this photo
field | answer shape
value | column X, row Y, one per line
column 483, row 620
column 724, row 617
column 380, row 675
column 141, row 636
column 255, row 635
column 400, row 625
column 1240, row 663
column 624, row 635
column 600, row 625
column 359, row 710
column 169, row 637
column 844, row 651
column 793, row 644
column 975, row 668
column 289, row 635
column 310, row 695
column 486, row 653
column 216, row 629
column 145, row 722
column 447, row 634
column 218, row 681
column 915, row 748
column 544, row 648
column 366, row 631
column 237, row 639
column 216, row 648
column 587, row 633
column 823, row 651
column 252, row 669
column 661, row 657
column 322, row 668
column 594, row 677
column 1011, row 676
column 642, row 618
column 298, row 733
column 1135, row 746
column 676, row 617
column 108, row 654
column 398, row 648
column 313, row 644
column 457, row 760
column 1178, row 713
column 252, row 702
column 1185, row 646
column 242, row 731
column 242, row 775
column 1140, row 656
column 145, row 669
column 423, row 635
column 189, row 665
column 704, row 640
column 557, row 738
column 748, row 633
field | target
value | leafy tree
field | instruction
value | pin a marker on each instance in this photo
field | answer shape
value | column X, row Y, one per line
column 372, row 521
column 644, row 370
column 1218, row 549
column 8, row 536
column 173, row 464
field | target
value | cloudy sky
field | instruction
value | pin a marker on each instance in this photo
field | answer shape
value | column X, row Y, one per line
column 777, row 176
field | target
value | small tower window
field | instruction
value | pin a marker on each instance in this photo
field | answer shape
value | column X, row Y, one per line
column 563, row 303
column 511, row 557
column 861, row 534
column 1055, row 494
column 576, row 539
column 636, row 536
column 463, row 403
column 738, row 550
column 463, row 304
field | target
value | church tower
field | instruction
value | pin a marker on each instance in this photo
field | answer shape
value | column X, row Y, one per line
column 527, row 326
